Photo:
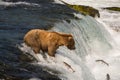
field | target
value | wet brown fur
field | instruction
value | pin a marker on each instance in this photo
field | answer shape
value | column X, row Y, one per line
column 47, row 41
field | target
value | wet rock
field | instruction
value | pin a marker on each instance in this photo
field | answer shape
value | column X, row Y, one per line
column 85, row 10
column 3, row 72
column 27, row 58
column 24, row 71
column 40, row 71
column 113, row 8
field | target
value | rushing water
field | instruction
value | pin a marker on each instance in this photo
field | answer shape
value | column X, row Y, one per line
column 94, row 40
column 111, row 22
column 95, row 3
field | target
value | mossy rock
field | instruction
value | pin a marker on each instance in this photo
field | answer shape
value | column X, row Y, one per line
column 86, row 10
column 113, row 8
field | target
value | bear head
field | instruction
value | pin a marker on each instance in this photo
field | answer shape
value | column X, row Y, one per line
column 71, row 43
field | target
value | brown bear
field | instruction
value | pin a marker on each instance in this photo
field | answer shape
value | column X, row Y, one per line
column 48, row 41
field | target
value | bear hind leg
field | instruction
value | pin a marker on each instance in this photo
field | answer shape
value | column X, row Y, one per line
column 36, row 49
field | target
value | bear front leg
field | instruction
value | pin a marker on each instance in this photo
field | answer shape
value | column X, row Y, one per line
column 51, row 51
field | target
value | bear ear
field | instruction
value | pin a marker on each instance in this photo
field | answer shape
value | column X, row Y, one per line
column 69, row 38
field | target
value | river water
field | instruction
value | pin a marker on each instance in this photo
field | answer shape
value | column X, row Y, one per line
column 97, row 51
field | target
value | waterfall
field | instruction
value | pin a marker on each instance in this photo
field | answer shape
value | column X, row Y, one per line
column 90, row 36
column 97, row 41
column 87, row 33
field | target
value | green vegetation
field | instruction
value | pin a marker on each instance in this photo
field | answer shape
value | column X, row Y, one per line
column 86, row 10
column 113, row 8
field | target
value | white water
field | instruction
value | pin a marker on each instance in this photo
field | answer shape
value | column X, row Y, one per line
column 94, row 41
column 18, row 3
column 64, row 55
column 91, row 38
column 111, row 22
column 94, row 3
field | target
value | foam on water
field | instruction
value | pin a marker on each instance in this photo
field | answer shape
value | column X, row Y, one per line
column 57, row 64
column 94, row 3
column 111, row 20
column 101, row 69
column 18, row 3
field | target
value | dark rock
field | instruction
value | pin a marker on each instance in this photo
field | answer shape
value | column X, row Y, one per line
column 41, row 72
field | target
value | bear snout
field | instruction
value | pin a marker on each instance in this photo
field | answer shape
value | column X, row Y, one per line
column 71, row 48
